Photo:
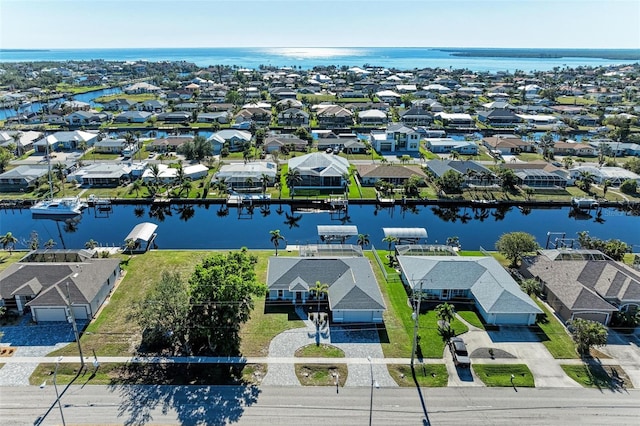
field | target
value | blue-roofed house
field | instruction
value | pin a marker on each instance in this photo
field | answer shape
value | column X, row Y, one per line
column 483, row 280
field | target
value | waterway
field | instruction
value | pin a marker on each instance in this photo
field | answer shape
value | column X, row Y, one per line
column 216, row 227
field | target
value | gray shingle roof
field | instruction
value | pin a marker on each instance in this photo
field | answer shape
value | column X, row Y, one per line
column 491, row 286
column 352, row 284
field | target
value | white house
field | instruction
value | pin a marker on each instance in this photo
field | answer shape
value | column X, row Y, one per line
column 319, row 170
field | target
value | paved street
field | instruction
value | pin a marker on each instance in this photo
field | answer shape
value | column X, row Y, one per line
column 190, row 405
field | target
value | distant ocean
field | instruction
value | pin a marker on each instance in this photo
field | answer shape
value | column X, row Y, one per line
column 491, row 60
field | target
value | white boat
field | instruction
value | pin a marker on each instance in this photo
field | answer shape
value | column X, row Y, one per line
column 66, row 206
column 70, row 206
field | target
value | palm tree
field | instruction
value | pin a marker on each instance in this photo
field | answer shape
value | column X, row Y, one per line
column 264, row 181
column 16, row 140
column 390, row 239
column 446, row 313
column 605, row 187
column 586, row 178
column 50, row 244
column 292, row 178
column 8, row 241
column 276, row 237
column 136, row 186
column 91, row 244
column 363, row 240
column 155, row 172
column 318, row 291
column 130, row 245
column 59, row 173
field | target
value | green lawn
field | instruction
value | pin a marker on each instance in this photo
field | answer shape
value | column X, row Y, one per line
column 7, row 258
column 320, row 351
column 148, row 374
column 471, row 317
column 427, row 375
column 594, row 375
column 321, row 374
column 499, row 375
column 554, row 336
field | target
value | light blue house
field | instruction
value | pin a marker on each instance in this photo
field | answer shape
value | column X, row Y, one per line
column 483, row 280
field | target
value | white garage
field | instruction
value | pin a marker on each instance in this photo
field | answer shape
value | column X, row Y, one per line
column 49, row 314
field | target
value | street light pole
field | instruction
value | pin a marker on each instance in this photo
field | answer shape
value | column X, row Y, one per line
column 373, row 383
column 416, row 319
column 72, row 319
column 55, row 386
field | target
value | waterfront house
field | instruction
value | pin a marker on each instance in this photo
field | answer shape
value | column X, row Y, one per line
column 46, row 282
column 416, row 116
column 238, row 176
column 141, row 87
column 370, row 174
column 539, row 178
column 101, row 175
column 152, row 105
column 499, row 117
column 482, row 280
column 22, row 178
column 284, row 142
column 65, row 141
column 473, row 173
column 448, row 145
column 334, row 116
column 372, row 117
column 119, row 104
column 86, row 118
column 175, row 117
column 574, row 148
column 615, row 175
column 260, row 116
column 584, row 283
column 320, row 171
column 168, row 144
column 507, row 144
column 133, row 117
column 110, row 146
column 456, row 120
column 167, row 175
column 221, row 117
column 235, row 140
column 353, row 294
column 293, row 117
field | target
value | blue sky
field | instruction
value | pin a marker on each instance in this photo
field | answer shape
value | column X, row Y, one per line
column 31, row 24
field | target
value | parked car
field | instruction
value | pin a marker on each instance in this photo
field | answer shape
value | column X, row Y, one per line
column 459, row 352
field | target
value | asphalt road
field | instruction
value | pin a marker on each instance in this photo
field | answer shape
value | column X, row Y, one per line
column 190, row 405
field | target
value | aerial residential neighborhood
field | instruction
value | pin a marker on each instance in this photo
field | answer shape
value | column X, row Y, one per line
column 369, row 300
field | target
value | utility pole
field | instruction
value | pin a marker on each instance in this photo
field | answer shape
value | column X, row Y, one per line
column 72, row 319
column 416, row 319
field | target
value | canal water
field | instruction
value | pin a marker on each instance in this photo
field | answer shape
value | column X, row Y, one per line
column 219, row 227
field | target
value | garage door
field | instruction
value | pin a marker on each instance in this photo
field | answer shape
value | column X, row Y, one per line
column 357, row 316
column 593, row 316
column 512, row 319
column 49, row 314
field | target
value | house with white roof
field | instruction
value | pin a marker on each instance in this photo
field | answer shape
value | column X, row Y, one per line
column 235, row 139
column 615, row 175
column 320, row 170
column 448, row 145
column 249, row 175
column 100, row 175
column 65, row 141
column 497, row 296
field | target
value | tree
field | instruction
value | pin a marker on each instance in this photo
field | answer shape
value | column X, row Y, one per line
column 629, row 186
column 164, row 314
column 390, row 239
column 508, row 178
column 513, row 245
column 453, row 241
column 91, row 244
column 586, row 334
column 363, row 240
column 445, row 313
column 8, row 241
column 276, row 237
column 136, row 186
column 451, row 182
column 34, row 241
column 530, row 286
column 264, row 182
column 292, row 178
column 318, row 291
column 130, row 245
column 584, row 180
column 50, row 244
column 222, row 289
column 5, row 158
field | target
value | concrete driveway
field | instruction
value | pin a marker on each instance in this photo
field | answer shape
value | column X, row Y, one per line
column 625, row 348
column 525, row 347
